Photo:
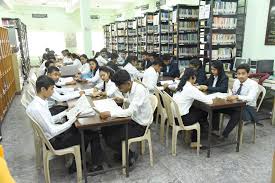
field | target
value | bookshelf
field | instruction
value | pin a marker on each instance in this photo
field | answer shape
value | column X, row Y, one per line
column 23, row 42
column 217, row 31
column 186, row 41
column 140, row 28
column 130, row 37
column 113, row 37
column 241, row 17
column 7, row 81
column 107, row 37
column 120, row 43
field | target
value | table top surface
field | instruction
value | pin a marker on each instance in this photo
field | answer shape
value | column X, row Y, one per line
column 220, row 104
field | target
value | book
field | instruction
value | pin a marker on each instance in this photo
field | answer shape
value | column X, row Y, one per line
column 106, row 105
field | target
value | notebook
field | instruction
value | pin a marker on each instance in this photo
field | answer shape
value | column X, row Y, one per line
column 69, row 70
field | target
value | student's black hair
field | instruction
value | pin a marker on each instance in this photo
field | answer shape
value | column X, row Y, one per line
column 43, row 82
column 69, row 54
column 188, row 73
column 104, row 50
column 84, row 55
column 219, row 66
column 196, row 62
column 108, row 70
column 47, row 64
column 121, row 77
column 114, row 56
column 75, row 56
column 158, row 62
column 52, row 69
column 243, row 66
column 96, row 55
column 166, row 57
column 47, row 49
column 96, row 63
column 129, row 59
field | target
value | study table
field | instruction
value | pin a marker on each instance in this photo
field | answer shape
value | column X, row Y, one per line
column 95, row 122
column 220, row 104
column 270, row 85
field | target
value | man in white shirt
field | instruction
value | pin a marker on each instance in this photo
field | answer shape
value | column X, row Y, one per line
column 58, row 130
column 246, row 89
column 60, row 94
column 139, row 110
column 151, row 75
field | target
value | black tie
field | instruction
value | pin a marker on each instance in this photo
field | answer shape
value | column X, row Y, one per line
column 239, row 90
column 104, row 87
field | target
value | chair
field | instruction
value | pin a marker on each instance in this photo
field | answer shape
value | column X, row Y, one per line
column 146, row 136
column 50, row 152
column 173, row 112
column 260, row 90
column 161, row 111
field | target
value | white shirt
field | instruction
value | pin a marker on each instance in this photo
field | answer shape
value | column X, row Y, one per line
column 150, row 78
column 67, row 60
column 134, row 73
column 38, row 109
column 140, row 109
column 42, row 68
column 96, row 79
column 110, row 89
column 85, row 68
column 101, row 61
column 78, row 63
column 249, row 91
column 215, row 81
column 186, row 97
column 57, row 97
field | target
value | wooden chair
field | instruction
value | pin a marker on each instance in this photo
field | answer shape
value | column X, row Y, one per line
column 50, row 152
column 262, row 91
column 161, row 112
column 142, row 139
column 173, row 113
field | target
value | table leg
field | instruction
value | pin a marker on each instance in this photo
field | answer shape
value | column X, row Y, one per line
column 273, row 112
column 240, row 131
column 127, row 150
column 209, row 133
column 83, row 155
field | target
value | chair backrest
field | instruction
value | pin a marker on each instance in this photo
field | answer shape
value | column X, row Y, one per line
column 38, row 131
column 172, row 110
column 263, row 91
column 158, row 95
column 154, row 103
column 230, row 84
column 27, row 97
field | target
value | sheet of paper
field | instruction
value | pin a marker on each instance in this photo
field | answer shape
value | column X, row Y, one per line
column 106, row 105
column 169, row 82
column 88, row 91
column 218, row 95
column 66, row 80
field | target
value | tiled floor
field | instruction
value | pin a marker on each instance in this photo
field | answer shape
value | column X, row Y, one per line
column 252, row 164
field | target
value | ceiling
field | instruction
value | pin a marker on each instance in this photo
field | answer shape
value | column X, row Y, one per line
column 98, row 4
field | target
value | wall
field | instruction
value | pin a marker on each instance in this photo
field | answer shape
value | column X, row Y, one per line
column 255, row 30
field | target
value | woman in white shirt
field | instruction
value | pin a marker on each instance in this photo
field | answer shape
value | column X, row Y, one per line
column 129, row 66
column 106, row 87
column 85, row 65
column 185, row 96
column 76, row 60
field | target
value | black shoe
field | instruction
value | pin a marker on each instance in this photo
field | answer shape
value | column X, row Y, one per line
column 72, row 168
column 96, row 168
column 259, row 124
column 132, row 160
column 222, row 138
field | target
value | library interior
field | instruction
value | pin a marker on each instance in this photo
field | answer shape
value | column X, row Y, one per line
column 147, row 91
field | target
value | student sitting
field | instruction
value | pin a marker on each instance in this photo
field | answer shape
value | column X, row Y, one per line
column 62, row 135
column 102, row 57
column 47, row 65
column 129, row 66
column 121, row 58
column 151, row 75
column 246, row 89
column 67, row 60
column 60, row 94
column 146, row 60
column 106, row 87
column 185, row 96
column 45, row 55
column 218, row 80
column 201, row 76
column 170, row 67
column 85, row 68
column 76, row 60
column 113, row 62
column 139, row 110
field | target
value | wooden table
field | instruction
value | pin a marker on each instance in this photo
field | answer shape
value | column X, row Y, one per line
column 165, row 78
column 220, row 104
column 95, row 122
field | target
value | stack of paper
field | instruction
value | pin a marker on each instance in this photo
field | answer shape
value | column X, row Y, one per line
column 106, row 105
column 66, row 80
column 218, row 95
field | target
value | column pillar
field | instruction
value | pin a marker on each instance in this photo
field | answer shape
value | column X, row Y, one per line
column 85, row 6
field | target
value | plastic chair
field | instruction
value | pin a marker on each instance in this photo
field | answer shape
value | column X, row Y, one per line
column 50, row 152
column 260, row 90
column 173, row 112
column 142, row 139
column 161, row 112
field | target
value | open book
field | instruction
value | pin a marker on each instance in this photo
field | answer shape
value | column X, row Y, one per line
column 106, row 105
column 82, row 107
column 218, row 95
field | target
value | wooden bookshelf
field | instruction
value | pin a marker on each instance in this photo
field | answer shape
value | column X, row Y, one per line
column 7, row 81
column 107, row 37
column 130, row 37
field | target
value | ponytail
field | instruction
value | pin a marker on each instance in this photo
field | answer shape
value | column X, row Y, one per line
column 188, row 73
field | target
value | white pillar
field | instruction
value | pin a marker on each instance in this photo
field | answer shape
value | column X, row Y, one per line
column 85, row 6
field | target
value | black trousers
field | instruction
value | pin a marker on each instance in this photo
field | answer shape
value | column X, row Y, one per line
column 114, row 135
column 195, row 115
column 57, row 109
column 72, row 137
column 234, row 114
column 250, row 114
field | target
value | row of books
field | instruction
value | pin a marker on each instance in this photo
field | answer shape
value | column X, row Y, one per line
column 187, row 52
column 224, row 23
column 187, row 38
column 188, row 13
column 224, row 38
column 186, row 26
column 225, row 8
column 222, row 53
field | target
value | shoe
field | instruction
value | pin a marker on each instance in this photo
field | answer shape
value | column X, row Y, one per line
column 95, row 168
column 222, row 138
column 259, row 124
column 132, row 160
column 72, row 168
